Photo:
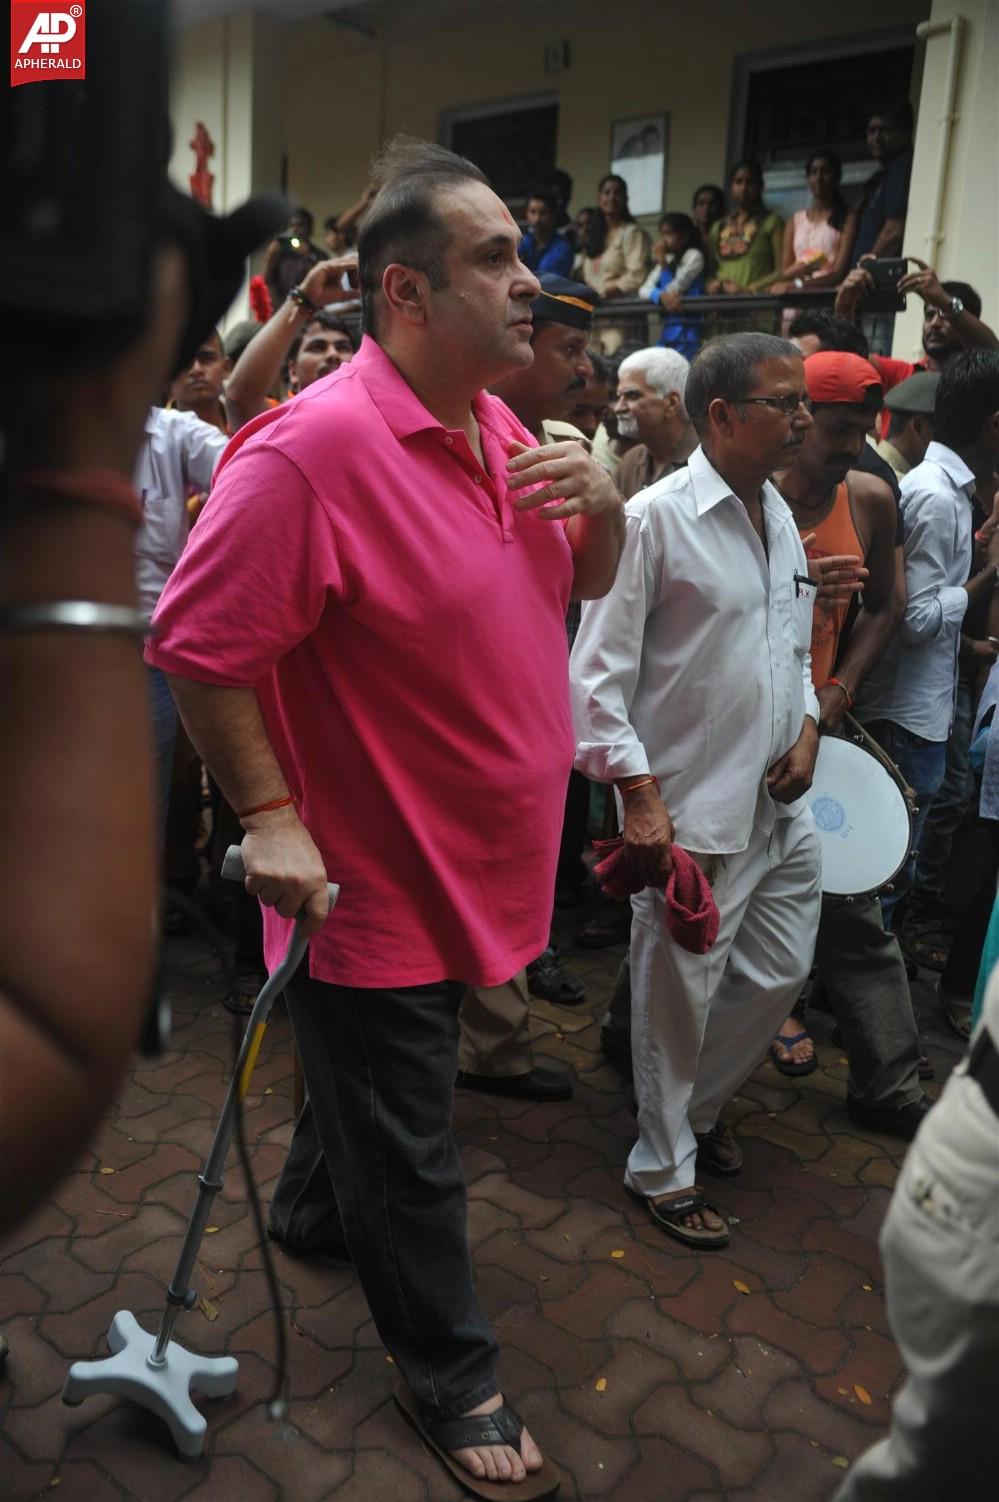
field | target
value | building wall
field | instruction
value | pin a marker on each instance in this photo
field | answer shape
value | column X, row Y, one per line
column 969, row 249
column 632, row 58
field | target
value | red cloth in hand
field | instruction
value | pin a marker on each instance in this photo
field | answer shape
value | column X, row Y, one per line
column 691, row 911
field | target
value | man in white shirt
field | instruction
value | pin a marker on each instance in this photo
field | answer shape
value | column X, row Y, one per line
column 178, row 457
column 907, row 701
column 695, row 668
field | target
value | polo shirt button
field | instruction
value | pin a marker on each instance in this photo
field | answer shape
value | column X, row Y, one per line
column 478, row 479
column 448, row 439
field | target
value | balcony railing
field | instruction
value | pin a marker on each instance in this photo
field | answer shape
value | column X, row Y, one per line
column 635, row 321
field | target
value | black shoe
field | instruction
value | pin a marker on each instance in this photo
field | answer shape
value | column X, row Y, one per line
column 539, row 1084
column 897, row 1121
column 335, row 1250
column 547, row 979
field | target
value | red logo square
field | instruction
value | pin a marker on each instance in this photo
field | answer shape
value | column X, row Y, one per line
column 47, row 41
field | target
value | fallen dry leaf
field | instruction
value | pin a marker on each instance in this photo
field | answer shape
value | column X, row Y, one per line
column 867, row 1288
column 844, row 1392
column 389, row 1359
column 208, row 1309
column 617, row 1254
column 742, row 1287
column 601, row 1384
column 105, row 1170
column 269, row 1090
column 841, row 1461
column 210, row 1230
column 862, row 1393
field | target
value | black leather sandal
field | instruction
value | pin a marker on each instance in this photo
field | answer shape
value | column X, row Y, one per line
column 502, row 1427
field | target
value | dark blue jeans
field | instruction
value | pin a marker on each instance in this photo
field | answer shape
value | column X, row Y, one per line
column 922, row 764
column 949, row 806
column 380, row 1067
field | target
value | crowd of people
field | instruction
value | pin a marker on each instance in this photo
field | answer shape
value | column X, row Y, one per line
column 666, row 572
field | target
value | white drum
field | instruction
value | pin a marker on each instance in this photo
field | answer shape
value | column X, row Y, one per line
column 862, row 817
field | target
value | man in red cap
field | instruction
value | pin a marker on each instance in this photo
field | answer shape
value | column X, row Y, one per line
column 841, row 511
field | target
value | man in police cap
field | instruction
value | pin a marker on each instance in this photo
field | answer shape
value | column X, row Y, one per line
column 544, row 393
column 910, row 427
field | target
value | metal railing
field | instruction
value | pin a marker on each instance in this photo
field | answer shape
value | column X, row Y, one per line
column 641, row 322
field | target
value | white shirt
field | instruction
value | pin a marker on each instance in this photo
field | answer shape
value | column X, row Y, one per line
column 179, row 452
column 915, row 683
column 696, row 666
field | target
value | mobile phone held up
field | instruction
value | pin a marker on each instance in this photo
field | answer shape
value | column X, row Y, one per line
column 886, row 273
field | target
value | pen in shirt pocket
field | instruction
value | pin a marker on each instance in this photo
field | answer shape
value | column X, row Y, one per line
column 799, row 580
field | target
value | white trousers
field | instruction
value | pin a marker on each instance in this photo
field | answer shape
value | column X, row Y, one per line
column 940, row 1247
column 699, row 1023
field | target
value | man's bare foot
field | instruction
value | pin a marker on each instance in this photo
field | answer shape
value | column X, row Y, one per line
column 499, row 1462
column 697, row 1220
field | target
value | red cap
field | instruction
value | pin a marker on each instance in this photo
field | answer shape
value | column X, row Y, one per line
column 833, row 375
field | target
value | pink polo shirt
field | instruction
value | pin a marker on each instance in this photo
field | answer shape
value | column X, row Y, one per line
column 404, row 629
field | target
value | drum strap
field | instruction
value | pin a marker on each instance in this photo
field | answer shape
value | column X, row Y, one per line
column 878, row 752
column 983, row 1066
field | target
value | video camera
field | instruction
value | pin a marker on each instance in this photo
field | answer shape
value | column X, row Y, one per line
column 87, row 200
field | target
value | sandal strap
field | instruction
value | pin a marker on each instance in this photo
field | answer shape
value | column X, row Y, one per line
column 690, row 1204
column 502, row 1427
column 788, row 1042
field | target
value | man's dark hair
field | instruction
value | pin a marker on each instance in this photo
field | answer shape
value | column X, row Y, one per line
column 546, row 196
column 326, row 320
column 898, row 112
column 967, row 396
column 558, row 182
column 726, row 367
column 831, row 332
column 967, row 294
column 332, row 221
column 301, row 212
column 403, row 223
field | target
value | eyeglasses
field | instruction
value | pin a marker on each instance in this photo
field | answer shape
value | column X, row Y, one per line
column 788, row 404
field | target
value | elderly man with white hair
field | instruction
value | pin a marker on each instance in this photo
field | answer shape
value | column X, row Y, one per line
column 649, row 407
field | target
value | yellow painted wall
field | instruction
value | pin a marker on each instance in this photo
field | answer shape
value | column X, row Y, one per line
column 969, row 250
column 629, row 58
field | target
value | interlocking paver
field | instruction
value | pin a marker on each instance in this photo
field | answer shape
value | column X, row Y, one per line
column 739, row 1454
column 710, row 1395
column 632, row 1374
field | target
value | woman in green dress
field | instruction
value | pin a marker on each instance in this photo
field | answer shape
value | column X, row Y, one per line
column 745, row 248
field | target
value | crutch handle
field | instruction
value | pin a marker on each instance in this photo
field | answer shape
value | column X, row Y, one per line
column 234, row 870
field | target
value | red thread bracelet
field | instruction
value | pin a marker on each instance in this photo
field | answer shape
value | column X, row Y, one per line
column 843, row 689
column 265, row 808
column 105, row 489
column 646, row 782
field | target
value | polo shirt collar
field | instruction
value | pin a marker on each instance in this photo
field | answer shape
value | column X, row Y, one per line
column 952, row 465
column 395, row 399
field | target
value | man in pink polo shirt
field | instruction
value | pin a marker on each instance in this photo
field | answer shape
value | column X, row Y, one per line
column 366, row 640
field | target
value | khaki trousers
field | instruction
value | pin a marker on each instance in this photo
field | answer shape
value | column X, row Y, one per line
column 495, row 1029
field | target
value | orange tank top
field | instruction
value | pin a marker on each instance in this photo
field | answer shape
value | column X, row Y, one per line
column 835, row 534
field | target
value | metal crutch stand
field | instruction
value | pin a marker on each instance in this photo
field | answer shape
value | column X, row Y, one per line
column 153, row 1370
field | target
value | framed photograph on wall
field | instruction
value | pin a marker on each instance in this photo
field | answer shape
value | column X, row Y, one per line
column 638, row 154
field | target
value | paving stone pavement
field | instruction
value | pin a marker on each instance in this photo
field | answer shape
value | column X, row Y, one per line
column 650, row 1374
